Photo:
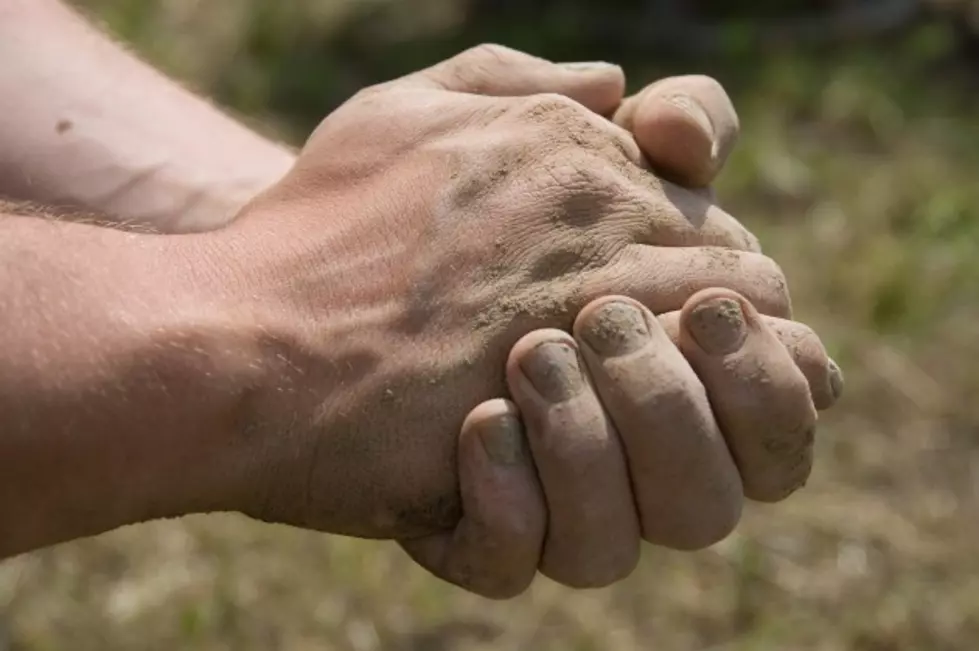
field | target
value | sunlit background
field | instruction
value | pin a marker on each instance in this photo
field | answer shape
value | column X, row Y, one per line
column 858, row 170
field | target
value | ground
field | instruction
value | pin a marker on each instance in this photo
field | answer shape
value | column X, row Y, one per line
column 857, row 170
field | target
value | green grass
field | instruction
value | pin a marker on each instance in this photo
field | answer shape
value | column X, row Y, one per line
column 857, row 168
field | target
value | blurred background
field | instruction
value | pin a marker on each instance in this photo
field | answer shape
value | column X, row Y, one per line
column 857, row 169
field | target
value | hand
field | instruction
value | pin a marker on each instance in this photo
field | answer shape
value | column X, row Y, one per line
column 500, row 542
column 686, row 126
column 636, row 429
column 422, row 232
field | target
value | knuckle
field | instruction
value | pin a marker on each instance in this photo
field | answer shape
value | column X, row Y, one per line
column 703, row 519
column 596, row 574
column 498, row 588
column 554, row 111
column 673, row 397
column 711, row 530
column 723, row 525
column 486, row 53
column 804, row 345
column 810, row 356
column 782, row 468
column 778, row 483
column 572, row 174
column 561, row 124
column 475, row 69
column 502, row 592
column 487, row 413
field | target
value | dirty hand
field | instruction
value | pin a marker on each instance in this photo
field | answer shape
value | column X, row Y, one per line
column 637, row 428
column 423, row 231
column 583, row 526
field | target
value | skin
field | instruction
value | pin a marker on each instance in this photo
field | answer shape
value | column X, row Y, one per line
column 506, row 503
column 89, row 126
column 659, row 264
column 544, row 511
column 516, row 499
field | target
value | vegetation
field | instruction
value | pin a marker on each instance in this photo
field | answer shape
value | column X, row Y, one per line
column 856, row 169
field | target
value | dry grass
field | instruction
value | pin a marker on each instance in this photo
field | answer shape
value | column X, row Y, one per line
column 859, row 176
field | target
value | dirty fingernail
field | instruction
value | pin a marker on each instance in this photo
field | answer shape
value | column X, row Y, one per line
column 553, row 369
column 835, row 379
column 503, row 440
column 588, row 66
column 617, row 328
column 718, row 326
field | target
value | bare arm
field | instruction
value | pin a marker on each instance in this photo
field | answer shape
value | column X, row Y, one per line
column 119, row 385
column 87, row 124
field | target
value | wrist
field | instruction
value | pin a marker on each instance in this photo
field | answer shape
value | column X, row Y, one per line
column 122, row 378
column 207, row 346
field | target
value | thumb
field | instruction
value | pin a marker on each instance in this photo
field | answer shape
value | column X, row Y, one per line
column 686, row 127
column 499, row 71
column 496, row 547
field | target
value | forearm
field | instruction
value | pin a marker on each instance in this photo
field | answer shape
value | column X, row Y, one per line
column 87, row 124
column 120, row 383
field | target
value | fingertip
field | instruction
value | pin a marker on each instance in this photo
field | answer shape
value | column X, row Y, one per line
column 715, row 293
column 775, row 487
column 761, row 397
column 807, row 350
column 717, row 322
column 591, row 312
column 496, row 547
column 709, row 531
column 610, row 74
column 597, row 85
column 497, row 426
column 543, row 368
column 533, row 339
column 596, row 575
column 686, row 126
column 489, row 411
column 677, row 140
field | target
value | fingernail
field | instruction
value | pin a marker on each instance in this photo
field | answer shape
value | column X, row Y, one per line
column 553, row 369
column 588, row 66
column 616, row 329
column 693, row 108
column 836, row 381
column 503, row 440
column 718, row 326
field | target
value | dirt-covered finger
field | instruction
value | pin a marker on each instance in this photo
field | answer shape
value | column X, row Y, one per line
column 760, row 397
column 664, row 278
column 684, row 480
column 495, row 549
column 593, row 530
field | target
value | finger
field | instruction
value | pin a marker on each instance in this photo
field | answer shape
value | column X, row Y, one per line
column 663, row 278
column 593, row 531
column 503, row 72
column 824, row 376
column 760, row 397
column 495, row 549
column 686, row 126
column 685, row 483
